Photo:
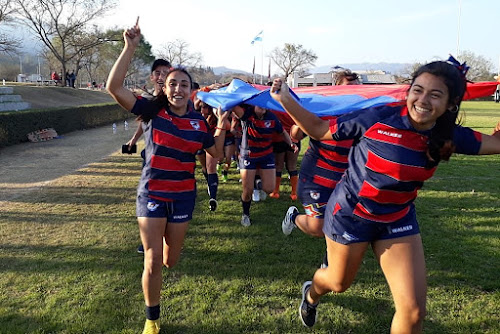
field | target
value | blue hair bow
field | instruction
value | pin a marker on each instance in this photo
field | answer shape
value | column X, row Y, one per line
column 462, row 68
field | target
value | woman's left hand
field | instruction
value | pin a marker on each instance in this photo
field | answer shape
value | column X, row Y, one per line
column 222, row 117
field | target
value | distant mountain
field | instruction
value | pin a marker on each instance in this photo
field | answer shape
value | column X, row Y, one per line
column 223, row 70
column 392, row 68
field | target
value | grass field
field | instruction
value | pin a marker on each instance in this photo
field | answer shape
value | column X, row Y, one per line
column 68, row 258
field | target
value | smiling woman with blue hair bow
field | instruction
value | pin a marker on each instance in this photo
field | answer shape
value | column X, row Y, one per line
column 395, row 149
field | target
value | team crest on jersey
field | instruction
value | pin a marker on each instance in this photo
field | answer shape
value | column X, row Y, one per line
column 152, row 206
column 195, row 124
column 314, row 195
column 267, row 124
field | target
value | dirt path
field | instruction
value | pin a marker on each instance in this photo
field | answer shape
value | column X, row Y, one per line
column 28, row 166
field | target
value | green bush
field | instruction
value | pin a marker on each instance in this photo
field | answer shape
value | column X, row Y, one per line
column 14, row 126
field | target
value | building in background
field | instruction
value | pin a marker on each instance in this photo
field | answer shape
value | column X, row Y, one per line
column 377, row 77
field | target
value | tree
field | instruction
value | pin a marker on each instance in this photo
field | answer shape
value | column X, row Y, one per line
column 177, row 53
column 481, row 69
column 292, row 58
column 60, row 23
column 7, row 44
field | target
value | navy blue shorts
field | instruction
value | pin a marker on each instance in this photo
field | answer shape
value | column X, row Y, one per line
column 176, row 211
column 313, row 197
column 265, row 162
column 228, row 141
column 345, row 229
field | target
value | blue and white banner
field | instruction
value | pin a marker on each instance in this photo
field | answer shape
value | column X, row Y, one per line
column 257, row 38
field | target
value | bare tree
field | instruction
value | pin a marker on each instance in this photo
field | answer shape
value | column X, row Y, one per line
column 481, row 69
column 177, row 53
column 7, row 44
column 293, row 58
column 59, row 24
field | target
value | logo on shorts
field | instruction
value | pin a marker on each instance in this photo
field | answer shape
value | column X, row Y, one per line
column 152, row 206
column 349, row 237
column 314, row 195
column 267, row 124
column 402, row 229
column 181, row 217
column 195, row 124
column 246, row 162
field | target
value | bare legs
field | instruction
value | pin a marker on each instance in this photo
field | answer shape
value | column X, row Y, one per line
column 310, row 225
column 402, row 261
column 158, row 252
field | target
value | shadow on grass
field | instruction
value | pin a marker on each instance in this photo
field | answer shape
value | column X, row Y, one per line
column 264, row 268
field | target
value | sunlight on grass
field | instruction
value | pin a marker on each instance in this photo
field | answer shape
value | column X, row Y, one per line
column 69, row 261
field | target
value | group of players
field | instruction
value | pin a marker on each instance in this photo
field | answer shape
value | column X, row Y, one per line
column 358, row 179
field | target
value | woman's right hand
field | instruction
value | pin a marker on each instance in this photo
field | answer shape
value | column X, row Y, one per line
column 132, row 36
column 279, row 90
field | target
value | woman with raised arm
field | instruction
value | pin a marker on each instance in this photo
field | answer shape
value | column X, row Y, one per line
column 173, row 133
column 395, row 149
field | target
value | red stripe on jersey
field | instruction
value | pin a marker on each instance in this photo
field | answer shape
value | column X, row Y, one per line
column 180, row 144
column 258, row 144
column 333, row 126
column 187, row 124
column 260, row 154
column 478, row 136
column 360, row 211
column 386, row 196
column 397, row 171
column 171, row 164
column 256, row 134
column 388, row 134
column 332, row 155
column 336, row 208
column 171, row 186
column 327, row 166
column 322, row 181
column 341, row 143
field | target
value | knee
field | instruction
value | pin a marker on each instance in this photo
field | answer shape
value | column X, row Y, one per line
column 152, row 263
column 324, row 278
column 170, row 262
column 315, row 227
column 416, row 314
column 268, row 190
column 317, row 232
column 339, row 287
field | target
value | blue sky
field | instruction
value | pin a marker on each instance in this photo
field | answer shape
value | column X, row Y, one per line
column 337, row 31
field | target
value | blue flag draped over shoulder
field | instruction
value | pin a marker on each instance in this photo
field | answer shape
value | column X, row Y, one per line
column 324, row 100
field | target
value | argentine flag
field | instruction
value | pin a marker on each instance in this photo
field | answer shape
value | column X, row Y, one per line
column 257, row 38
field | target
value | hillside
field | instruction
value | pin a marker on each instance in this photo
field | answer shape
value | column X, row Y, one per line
column 41, row 97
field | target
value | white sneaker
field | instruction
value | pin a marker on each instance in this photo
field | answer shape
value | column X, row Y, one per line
column 245, row 220
column 263, row 195
column 256, row 195
column 287, row 225
column 212, row 203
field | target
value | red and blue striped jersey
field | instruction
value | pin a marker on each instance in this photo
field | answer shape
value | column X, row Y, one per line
column 171, row 145
column 387, row 162
column 325, row 162
column 257, row 138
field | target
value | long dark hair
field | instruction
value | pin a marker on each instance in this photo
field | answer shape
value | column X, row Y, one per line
column 440, row 146
column 161, row 99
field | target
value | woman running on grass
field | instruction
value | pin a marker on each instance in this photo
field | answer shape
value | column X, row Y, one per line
column 173, row 134
column 395, row 149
